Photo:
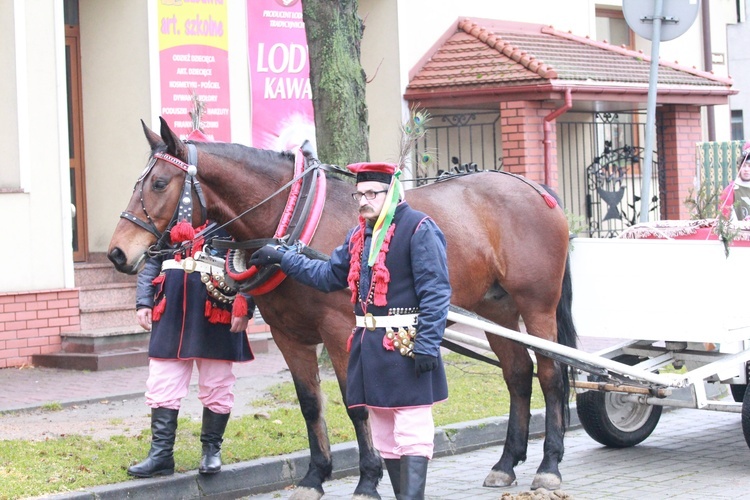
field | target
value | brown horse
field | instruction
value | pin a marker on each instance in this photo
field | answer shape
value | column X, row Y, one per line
column 507, row 255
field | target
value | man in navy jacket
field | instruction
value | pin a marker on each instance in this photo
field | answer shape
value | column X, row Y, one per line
column 394, row 261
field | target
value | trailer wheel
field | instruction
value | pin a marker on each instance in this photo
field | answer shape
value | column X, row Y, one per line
column 612, row 421
column 746, row 417
column 738, row 392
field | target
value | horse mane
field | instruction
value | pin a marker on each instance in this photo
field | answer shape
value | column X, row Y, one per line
column 241, row 153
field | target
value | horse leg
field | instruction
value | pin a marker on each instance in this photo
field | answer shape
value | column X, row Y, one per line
column 550, row 377
column 303, row 365
column 517, row 371
column 370, row 464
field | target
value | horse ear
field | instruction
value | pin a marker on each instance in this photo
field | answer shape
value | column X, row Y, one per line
column 153, row 139
column 174, row 144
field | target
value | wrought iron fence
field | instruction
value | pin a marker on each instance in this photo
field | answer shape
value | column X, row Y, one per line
column 599, row 162
column 458, row 142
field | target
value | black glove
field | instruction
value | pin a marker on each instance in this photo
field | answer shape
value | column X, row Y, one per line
column 266, row 256
column 424, row 363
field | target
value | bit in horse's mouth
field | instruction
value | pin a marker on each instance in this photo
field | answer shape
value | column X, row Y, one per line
column 136, row 268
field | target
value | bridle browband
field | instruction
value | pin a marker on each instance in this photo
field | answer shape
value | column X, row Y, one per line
column 184, row 209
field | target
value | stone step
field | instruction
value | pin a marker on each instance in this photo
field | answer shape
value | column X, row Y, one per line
column 109, row 294
column 97, row 273
column 101, row 317
column 105, row 339
column 109, row 336
column 94, row 361
column 108, row 350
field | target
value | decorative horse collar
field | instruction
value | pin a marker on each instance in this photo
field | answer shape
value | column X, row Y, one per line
column 297, row 225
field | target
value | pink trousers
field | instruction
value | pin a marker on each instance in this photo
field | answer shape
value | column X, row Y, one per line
column 169, row 381
column 402, row 431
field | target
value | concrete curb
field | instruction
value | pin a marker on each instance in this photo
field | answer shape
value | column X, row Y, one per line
column 273, row 473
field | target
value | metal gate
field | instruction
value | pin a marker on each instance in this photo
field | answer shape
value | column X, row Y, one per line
column 458, row 142
column 599, row 162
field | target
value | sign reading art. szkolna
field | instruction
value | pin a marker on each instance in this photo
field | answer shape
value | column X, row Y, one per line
column 193, row 60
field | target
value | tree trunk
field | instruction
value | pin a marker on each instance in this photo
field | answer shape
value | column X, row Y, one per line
column 334, row 33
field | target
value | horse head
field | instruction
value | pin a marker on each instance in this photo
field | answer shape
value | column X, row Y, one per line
column 158, row 202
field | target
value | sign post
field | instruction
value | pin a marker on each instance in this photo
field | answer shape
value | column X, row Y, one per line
column 647, row 18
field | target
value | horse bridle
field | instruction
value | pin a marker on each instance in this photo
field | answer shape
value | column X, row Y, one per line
column 184, row 209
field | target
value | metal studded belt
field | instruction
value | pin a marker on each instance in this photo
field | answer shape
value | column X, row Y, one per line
column 397, row 320
column 189, row 265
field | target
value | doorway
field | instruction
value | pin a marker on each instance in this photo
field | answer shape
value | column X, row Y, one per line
column 75, row 131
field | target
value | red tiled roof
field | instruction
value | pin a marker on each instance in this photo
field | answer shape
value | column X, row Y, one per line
column 485, row 56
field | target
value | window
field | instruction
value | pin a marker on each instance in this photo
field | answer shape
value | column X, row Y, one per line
column 738, row 129
column 611, row 26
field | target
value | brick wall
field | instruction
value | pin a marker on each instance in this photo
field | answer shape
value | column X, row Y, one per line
column 681, row 125
column 31, row 323
column 522, row 129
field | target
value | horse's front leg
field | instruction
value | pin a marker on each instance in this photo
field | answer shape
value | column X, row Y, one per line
column 518, row 371
column 370, row 464
column 303, row 365
column 551, row 381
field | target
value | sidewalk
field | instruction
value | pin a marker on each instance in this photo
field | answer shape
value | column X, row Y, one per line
column 30, row 388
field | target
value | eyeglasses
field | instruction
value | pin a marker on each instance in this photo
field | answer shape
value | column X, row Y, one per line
column 368, row 195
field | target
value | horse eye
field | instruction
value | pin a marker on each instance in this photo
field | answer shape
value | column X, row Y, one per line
column 159, row 184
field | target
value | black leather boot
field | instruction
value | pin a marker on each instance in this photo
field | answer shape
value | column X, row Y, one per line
column 394, row 472
column 413, row 477
column 212, row 435
column 160, row 460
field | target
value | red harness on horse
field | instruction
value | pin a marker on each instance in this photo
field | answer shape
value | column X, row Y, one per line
column 298, row 223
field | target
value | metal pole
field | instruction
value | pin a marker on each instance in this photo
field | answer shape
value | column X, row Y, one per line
column 651, row 113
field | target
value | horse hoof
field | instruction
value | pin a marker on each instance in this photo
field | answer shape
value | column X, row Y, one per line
column 547, row 481
column 302, row 493
column 499, row 479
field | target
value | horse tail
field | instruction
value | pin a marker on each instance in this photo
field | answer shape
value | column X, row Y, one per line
column 566, row 330
column 566, row 334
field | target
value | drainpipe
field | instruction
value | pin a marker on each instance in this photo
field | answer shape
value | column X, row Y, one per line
column 708, row 65
column 548, row 130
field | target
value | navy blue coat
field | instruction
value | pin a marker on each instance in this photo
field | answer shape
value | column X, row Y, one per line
column 183, row 331
column 418, row 267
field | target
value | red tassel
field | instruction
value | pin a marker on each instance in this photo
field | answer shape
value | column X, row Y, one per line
column 215, row 316
column 207, row 309
column 158, row 309
column 355, row 263
column 182, row 231
column 551, row 201
column 381, row 276
column 239, row 308
column 225, row 317
column 349, row 342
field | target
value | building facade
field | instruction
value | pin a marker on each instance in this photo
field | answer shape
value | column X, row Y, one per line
column 82, row 74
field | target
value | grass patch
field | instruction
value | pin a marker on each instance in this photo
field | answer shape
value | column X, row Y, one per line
column 55, row 406
column 32, row 468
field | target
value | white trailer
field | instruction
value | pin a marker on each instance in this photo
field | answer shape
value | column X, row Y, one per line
column 663, row 303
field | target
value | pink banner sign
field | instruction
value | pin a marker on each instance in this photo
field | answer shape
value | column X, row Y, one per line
column 281, row 108
column 193, row 60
